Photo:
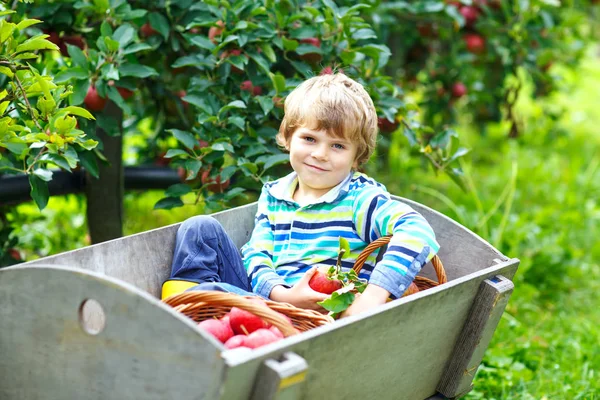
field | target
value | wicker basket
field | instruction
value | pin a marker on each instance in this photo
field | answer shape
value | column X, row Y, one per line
column 204, row 304
column 420, row 282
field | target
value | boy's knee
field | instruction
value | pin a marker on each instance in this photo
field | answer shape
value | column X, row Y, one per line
column 203, row 224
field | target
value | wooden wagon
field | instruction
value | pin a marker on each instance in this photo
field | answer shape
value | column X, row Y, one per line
column 427, row 345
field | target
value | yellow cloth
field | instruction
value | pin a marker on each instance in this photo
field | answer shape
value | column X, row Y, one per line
column 169, row 288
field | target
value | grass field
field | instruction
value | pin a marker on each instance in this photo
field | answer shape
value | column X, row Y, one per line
column 538, row 199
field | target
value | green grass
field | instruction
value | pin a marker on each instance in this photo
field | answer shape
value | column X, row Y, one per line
column 537, row 199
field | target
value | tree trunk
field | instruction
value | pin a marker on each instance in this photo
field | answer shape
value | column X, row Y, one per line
column 105, row 195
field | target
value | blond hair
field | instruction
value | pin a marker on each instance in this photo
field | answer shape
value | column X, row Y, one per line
column 334, row 103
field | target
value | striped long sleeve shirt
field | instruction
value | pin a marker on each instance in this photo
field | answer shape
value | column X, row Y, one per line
column 288, row 239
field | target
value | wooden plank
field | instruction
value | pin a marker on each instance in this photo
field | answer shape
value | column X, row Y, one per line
column 477, row 332
column 144, row 259
column 397, row 351
column 145, row 350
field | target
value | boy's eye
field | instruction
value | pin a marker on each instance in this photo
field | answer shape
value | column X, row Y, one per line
column 339, row 146
column 309, row 139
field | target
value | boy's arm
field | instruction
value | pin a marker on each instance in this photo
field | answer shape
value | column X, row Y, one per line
column 258, row 252
column 411, row 246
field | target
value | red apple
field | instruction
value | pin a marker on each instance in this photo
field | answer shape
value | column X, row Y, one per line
column 147, row 30
column 247, row 86
column 236, row 341
column 327, row 71
column 427, row 30
column 276, row 331
column 256, row 90
column 311, row 57
column 260, row 337
column 162, row 161
column 93, row 101
column 470, row 14
column 215, row 31
column 232, row 52
column 475, row 43
column 201, row 144
column 459, row 90
column 220, row 330
column 278, row 101
column 14, row 254
column 321, row 283
column 386, row 126
column 243, row 322
column 214, row 183
column 125, row 93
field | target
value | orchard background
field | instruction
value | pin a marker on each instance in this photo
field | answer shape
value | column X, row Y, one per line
column 122, row 116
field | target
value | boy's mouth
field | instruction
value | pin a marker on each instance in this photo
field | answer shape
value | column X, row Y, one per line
column 315, row 167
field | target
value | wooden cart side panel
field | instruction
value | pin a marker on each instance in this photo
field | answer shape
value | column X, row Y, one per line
column 144, row 259
column 398, row 351
column 145, row 351
column 462, row 252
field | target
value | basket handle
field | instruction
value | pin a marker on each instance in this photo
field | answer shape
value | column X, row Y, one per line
column 382, row 241
column 203, row 298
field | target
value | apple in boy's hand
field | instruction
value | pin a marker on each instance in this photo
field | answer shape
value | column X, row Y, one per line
column 220, row 330
column 244, row 322
column 236, row 341
column 260, row 338
column 322, row 284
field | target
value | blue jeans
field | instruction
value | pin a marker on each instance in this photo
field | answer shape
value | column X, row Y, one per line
column 204, row 253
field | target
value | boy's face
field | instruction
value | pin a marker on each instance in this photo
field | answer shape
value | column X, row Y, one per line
column 321, row 161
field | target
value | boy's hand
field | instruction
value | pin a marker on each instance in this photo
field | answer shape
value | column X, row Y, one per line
column 371, row 297
column 300, row 295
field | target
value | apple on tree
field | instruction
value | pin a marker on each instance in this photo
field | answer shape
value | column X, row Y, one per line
column 311, row 57
column 93, row 101
column 214, row 184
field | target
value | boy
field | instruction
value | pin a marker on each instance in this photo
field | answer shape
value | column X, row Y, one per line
column 329, row 129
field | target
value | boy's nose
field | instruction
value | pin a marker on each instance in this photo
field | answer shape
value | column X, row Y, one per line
column 319, row 153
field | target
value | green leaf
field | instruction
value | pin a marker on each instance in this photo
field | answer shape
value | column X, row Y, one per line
column 278, row 82
column 276, row 159
column 36, row 43
column 43, row 174
column 39, row 191
column 80, row 89
column 178, row 189
column 175, row 152
column 199, row 102
column 167, row 203
column 235, row 192
column 71, row 73
column 80, row 112
column 266, row 103
column 124, row 35
column 345, row 245
column 160, row 23
column 234, row 104
column 192, row 167
column 338, row 302
column 26, row 23
column 185, row 138
column 202, row 42
column 137, row 70
column 78, row 57
column 89, row 162
column 134, row 48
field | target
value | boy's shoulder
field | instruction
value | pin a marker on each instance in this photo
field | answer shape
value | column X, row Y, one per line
column 363, row 182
